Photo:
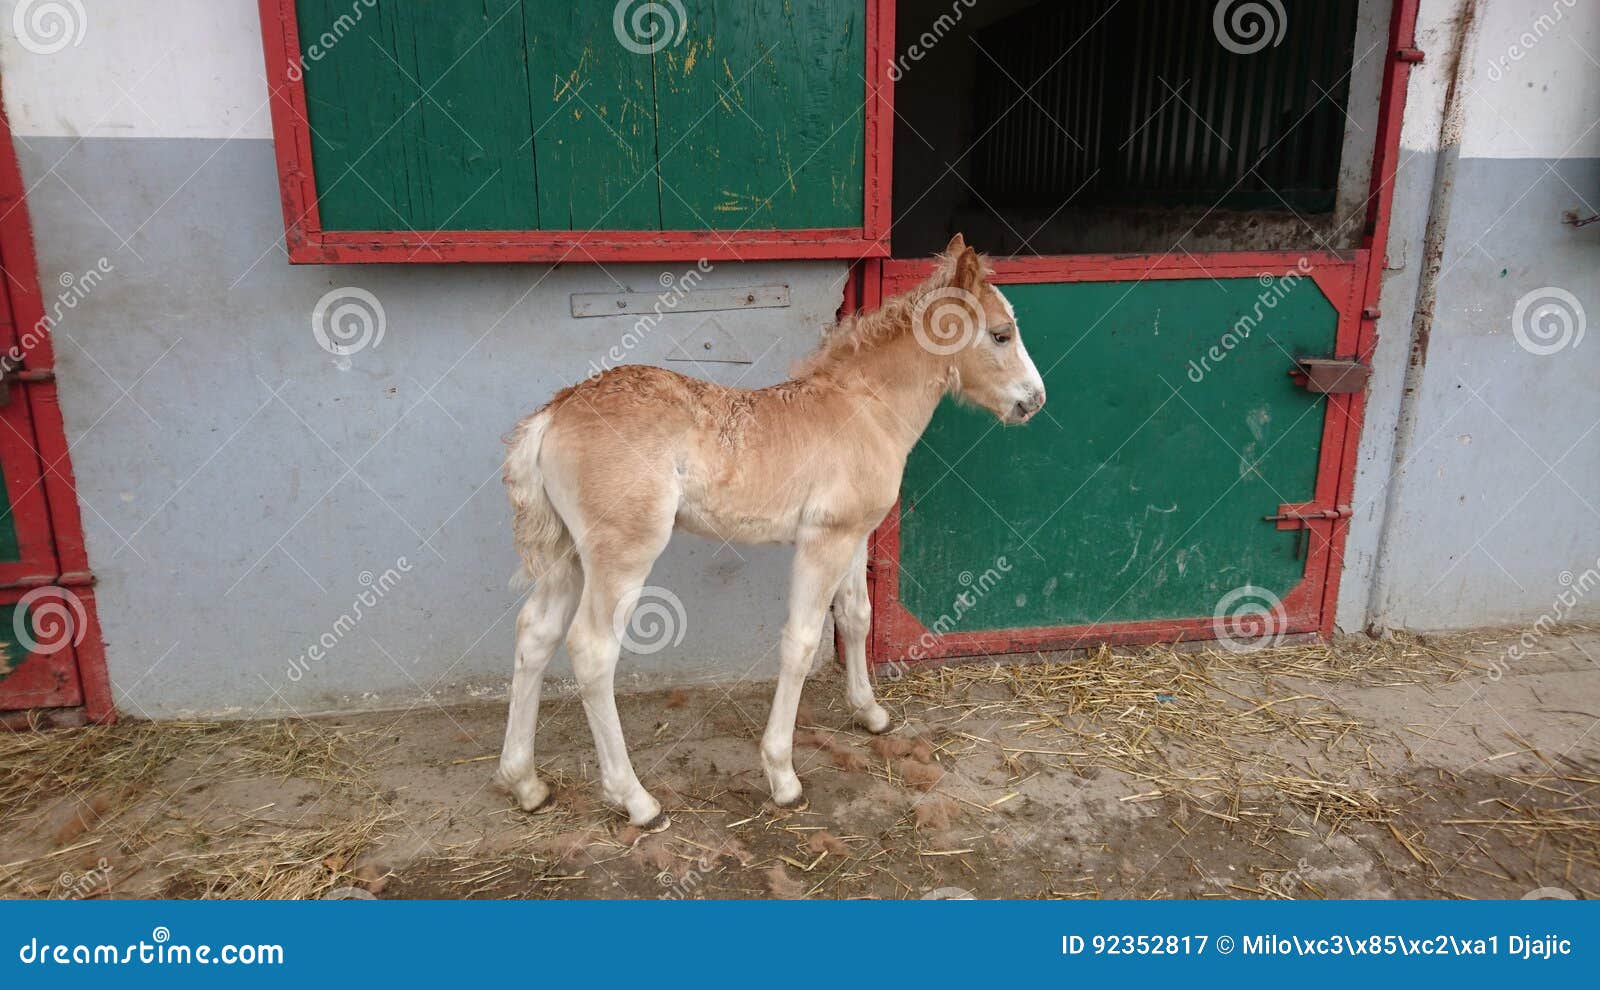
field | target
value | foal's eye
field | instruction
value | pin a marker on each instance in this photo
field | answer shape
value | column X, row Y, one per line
column 1001, row 336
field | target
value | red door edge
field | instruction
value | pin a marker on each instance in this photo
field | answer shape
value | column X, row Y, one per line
column 50, row 438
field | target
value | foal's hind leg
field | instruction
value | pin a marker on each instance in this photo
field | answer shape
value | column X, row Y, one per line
column 820, row 559
column 610, row 589
column 540, row 625
column 852, row 613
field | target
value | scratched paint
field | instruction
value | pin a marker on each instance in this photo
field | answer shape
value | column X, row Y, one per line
column 530, row 115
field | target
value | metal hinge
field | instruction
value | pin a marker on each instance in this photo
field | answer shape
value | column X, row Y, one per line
column 13, row 372
column 1412, row 55
column 67, row 579
column 1331, row 376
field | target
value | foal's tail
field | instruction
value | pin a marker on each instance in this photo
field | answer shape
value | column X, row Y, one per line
column 541, row 536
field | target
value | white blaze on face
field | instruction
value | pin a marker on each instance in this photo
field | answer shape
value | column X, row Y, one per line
column 1030, row 383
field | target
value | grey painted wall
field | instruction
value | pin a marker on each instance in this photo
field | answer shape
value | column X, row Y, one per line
column 1499, row 496
column 238, row 480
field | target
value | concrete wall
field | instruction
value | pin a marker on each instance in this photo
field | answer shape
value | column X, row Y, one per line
column 1490, row 507
column 243, row 487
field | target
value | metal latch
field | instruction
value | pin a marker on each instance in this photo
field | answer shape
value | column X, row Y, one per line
column 1331, row 376
column 12, row 372
column 1300, row 516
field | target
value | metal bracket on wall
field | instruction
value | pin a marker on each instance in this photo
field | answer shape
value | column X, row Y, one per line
column 1328, row 376
column 13, row 374
column 68, row 579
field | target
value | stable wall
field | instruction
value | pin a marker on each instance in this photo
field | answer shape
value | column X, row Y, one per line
column 241, row 484
column 1493, row 505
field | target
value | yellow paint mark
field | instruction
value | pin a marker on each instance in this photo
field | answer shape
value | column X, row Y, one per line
column 691, row 57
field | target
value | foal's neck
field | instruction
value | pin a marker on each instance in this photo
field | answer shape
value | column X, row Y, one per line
column 904, row 382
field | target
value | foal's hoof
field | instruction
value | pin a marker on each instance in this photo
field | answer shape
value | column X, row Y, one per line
column 547, row 804
column 875, row 720
column 660, row 823
column 800, row 803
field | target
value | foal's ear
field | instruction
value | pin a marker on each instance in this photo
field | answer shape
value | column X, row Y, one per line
column 968, row 274
column 957, row 245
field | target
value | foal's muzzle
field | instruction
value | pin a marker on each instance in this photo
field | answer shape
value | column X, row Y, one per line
column 1032, row 403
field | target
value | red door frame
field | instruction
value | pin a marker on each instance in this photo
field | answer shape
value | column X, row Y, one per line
column 308, row 243
column 75, row 673
column 1350, row 280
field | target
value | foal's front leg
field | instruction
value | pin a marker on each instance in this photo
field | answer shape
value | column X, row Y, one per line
column 852, row 613
column 819, row 562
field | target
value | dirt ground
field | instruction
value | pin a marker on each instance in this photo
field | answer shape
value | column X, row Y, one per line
column 1422, row 767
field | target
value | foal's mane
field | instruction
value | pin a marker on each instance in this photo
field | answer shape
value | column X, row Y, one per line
column 891, row 320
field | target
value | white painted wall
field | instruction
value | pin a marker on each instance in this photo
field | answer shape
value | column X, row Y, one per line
column 150, row 68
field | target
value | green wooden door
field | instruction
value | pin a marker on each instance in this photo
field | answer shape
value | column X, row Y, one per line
column 1136, row 499
column 530, row 115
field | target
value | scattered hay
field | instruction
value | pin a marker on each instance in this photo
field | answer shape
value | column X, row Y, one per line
column 258, row 859
column 1225, row 735
column 568, row 847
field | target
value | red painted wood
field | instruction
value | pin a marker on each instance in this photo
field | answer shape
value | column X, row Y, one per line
column 307, row 243
column 1380, row 208
column 76, row 673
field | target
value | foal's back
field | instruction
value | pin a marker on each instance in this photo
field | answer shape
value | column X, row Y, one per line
column 639, row 449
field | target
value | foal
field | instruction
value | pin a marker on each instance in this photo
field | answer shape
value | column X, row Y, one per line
column 601, row 475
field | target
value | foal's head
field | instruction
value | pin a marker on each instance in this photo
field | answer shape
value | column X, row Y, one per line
column 964, row 317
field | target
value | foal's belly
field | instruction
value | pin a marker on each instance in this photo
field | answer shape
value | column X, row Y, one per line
column 730, row 521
